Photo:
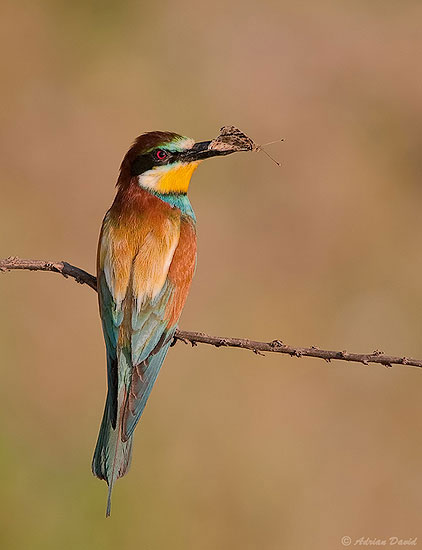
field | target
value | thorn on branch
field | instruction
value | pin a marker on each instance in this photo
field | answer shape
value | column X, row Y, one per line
column 276, row 344
column 221, row 342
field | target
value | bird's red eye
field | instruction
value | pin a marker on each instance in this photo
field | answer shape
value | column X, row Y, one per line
column 160, row 154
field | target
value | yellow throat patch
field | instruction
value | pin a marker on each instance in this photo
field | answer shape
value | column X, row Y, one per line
column 173, row 179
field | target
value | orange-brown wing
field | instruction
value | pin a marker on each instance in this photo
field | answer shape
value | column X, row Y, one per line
column 154, row 325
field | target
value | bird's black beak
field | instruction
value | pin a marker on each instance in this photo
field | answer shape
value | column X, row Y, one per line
column 201, row 151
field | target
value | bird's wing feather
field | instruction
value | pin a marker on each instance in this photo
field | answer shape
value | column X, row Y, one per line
column 151, row 339
column 111, row 321
column 154, row 325
column 134, row 297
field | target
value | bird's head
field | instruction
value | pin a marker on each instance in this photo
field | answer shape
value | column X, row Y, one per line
column 163, row 162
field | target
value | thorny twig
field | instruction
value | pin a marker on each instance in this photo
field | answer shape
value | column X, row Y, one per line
column 194, row 338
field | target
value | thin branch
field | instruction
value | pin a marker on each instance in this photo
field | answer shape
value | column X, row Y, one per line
column 194, row 338
column 67, row 270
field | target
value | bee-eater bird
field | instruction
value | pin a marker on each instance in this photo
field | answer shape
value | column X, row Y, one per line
column 145, row 264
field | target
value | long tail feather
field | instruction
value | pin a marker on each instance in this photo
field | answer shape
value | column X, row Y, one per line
column 112, row 456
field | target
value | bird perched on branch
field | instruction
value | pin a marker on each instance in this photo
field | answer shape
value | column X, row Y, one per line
column 145, row 264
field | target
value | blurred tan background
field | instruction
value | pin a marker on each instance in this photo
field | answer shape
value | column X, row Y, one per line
column 234, row 451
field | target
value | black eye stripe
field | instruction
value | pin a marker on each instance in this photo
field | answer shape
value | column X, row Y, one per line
column 147, row 161
column 141, row 164
column 171, row 156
